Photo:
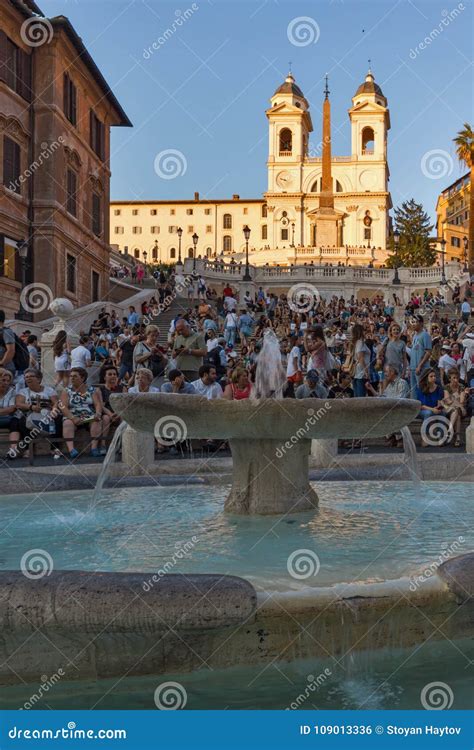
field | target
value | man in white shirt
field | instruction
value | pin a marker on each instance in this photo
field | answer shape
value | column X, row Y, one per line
column 206, row 384
column 465, row 310
column 80, row 355
column 446, row 362
column 294, row 358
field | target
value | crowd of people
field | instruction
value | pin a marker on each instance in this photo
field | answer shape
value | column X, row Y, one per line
column 334, row 348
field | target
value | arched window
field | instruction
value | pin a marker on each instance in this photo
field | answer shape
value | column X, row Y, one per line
column 227, row 221
column 368, row 141
column 208, row 251
column 264, row 232
column 190, row 252
column 316, row 186
column 173, row 252
column 286, row 141
column 154, row 252
column 264, row 211
column 136, row 253
column 339, row 187
column 227, row 243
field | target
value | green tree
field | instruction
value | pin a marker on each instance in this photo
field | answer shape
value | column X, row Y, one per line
column 464, row 142
column 414, row 227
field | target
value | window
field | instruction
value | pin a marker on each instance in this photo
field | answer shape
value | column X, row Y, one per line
column 227, row 240
column 154, row 252
column 173, row 252
column 95, row 287
column 134, row 211
column 264, row 232
column 286, row 142
column 9, row 259
column 264, row 211
column 367, row 233
column 189, row 211
column 316, row 186
column 190, row 252
column 172, row 211
column 118, row 230
column 97, row 135
column 208, row 228
column 71, row 273
column 96, row 214
column 338, row 187
column 136, row 253
column 155, row 230
column 284, row 234
column 455, row 242
column 208, row 251
column 11, row 164
column 69, row 99
column 15, row 67
column 172, row 229
column 246, row 211
column 227, row 221
column 136, row 230
column 153, row 211
column 71, row 192
column 207, row 211
column 367, row 141
column 190, row 228
column 117, row 212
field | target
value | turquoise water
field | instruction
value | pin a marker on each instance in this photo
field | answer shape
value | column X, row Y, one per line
column 377, row 680
column 362, row 531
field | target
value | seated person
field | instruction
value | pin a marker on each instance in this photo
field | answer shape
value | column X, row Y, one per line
column 82, row 408
column 342, row 388
column 454, row 403
column 311, row 388
column 207, row 385
column 7, row 402
column 430, row 393
column 239, row 387
column 177, row 384
column 393, row 385
column 143, row 382
column 37, row 410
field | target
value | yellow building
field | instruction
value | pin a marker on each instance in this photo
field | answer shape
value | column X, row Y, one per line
column 284, row 222
column 452, row 217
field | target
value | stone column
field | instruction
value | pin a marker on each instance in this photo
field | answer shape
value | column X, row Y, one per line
column 138, row 450
column 63, row 309
column 247, row 286
column 323, row 453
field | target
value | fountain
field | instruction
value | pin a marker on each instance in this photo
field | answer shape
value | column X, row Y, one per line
column 269, row 436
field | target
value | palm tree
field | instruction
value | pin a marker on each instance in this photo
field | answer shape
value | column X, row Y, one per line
column 464, row 142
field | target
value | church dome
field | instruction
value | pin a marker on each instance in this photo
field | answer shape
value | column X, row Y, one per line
column 289, row 87
column 369, row 86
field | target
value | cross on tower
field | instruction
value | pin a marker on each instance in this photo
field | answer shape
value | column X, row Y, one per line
column 326, row 89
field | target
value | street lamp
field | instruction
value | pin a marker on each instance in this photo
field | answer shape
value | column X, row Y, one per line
column 22, row 247
column 145, row 256
column 442, row 252
column 396, row 240
column 155, row 251
column 180, row 234
column 195, row 241
column 293, row 237
column 465, row 243
column 247, row 276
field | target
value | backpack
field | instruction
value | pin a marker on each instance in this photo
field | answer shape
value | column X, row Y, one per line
column 213, row 358
column 21, row 358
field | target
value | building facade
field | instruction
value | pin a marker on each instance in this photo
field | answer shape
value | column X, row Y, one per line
column 56, row 111
column 452, row 217
column 283, row 223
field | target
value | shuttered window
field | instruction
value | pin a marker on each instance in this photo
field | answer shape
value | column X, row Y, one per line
column 70, row 100
column 96, row 214
column 15, row 67
column 71, row 264
column 71, row 199
column 97, row 135
column 11, row 164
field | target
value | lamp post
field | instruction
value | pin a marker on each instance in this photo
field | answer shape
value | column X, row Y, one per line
column 195, row 241
column 247, row 276
column 293, row 238
column 22, row 247
column 145, row 256
column 396, row 240
column 465, row 243
column 442, row 252
column 155, row 251
column 180, row 234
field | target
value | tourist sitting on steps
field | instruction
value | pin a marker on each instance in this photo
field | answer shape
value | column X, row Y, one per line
column 82, row 409
column 37, row 411
column 143, row 382
column 7, row 402
column 206, row 384
column 311, row 388
column 177, row 384
column 239, row 387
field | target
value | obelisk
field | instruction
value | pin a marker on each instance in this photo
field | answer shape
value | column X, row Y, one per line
column 325, row 216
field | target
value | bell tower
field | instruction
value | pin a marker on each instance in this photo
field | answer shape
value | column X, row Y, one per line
column 370, row 121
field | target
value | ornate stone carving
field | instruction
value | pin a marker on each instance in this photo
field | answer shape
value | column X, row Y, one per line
column 72, row 157
column 10, row 126
column 352, row 208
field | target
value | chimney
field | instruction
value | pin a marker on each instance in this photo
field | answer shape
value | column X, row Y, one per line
column 196, row 196
column 236, row 197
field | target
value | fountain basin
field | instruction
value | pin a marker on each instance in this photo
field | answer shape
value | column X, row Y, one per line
column 270, row 438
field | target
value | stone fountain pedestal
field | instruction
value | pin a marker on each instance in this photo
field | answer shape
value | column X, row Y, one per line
column 270, row 439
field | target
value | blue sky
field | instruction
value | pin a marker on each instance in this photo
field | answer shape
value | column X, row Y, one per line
column 204, row 91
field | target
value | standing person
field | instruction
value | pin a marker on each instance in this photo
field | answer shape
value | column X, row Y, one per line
column 465, row 310
column 189, row 348
column 245, row 324
column 126, row 347
column 33, row 351
column 62, row 359
column 420, row 353
column 148, row 354
column 293, row 367
column 7, row 345
column 140, row 274
column 361, row 355
column 81, row 355
column 133, row 318
column 230, row 328
column 393, row 351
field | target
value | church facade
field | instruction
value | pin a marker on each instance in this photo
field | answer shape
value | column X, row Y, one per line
column 317, row 207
